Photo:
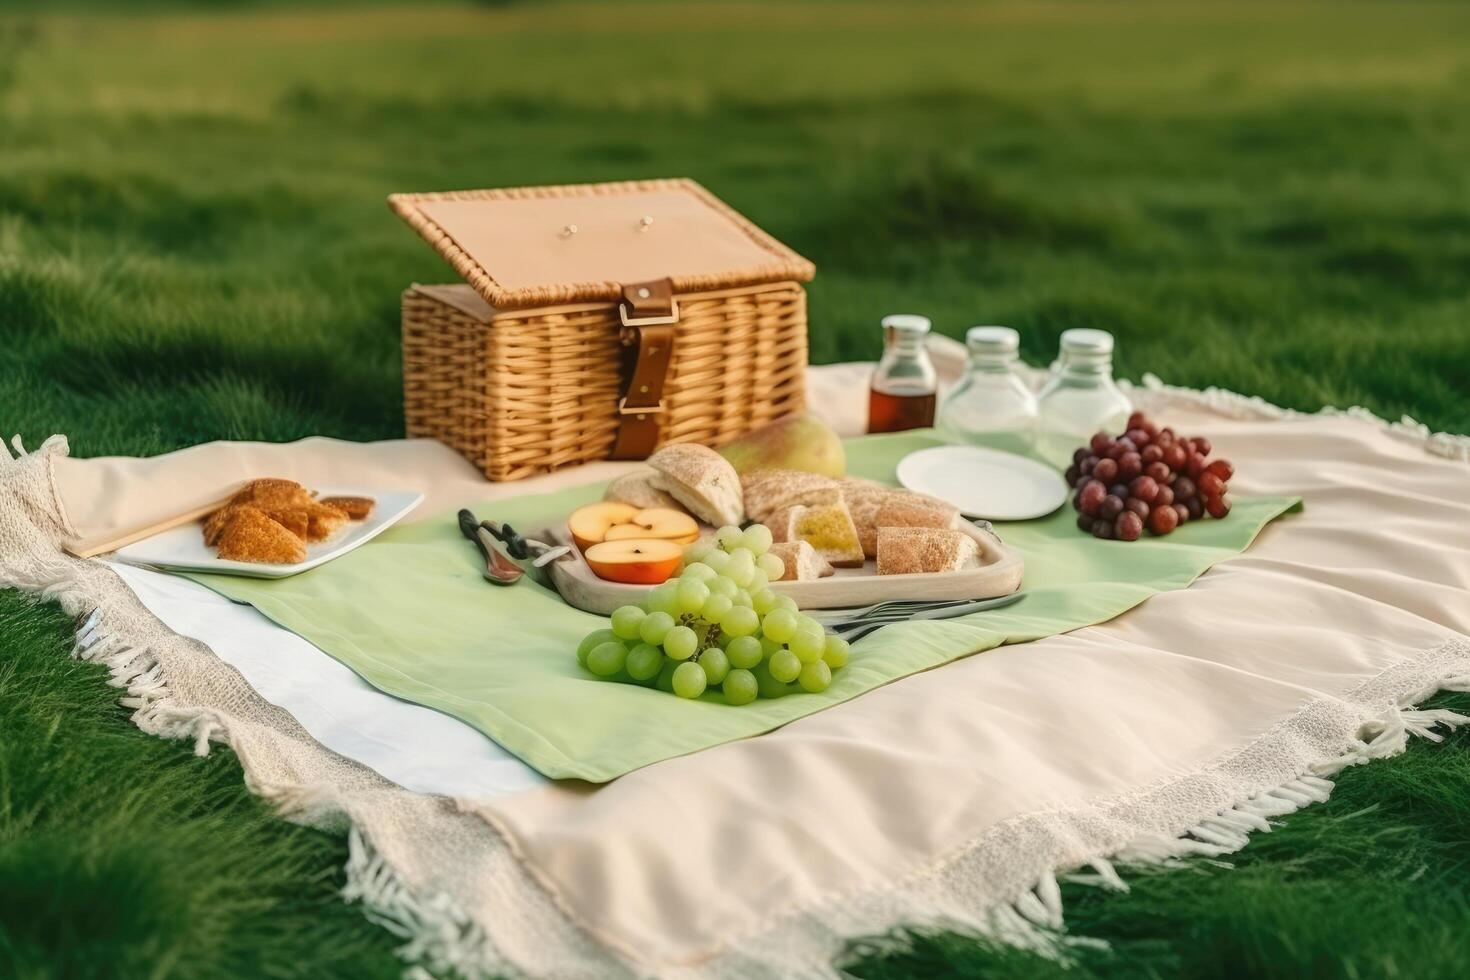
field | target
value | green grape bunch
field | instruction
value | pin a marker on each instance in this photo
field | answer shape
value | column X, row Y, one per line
column 718, row 626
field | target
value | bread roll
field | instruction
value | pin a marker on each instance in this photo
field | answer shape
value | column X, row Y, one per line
column 637, row 490
column 700, row 479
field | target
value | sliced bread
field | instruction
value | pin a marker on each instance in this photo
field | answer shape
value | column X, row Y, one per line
column 700, row 479
column 250, row 535
column 923, row 550
column 915, row 510
column 827, row 527
column 637, row 489
column 801, row 561
column 767, row 492
column 864, row 499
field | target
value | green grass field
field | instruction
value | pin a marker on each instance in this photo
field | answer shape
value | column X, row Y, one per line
column 1271, row 197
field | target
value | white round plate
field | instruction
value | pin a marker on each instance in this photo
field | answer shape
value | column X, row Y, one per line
column 984, row 483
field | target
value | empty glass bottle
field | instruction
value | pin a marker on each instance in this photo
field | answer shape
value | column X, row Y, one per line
column 992, row 406
column 1080, row 398
column 905, row 385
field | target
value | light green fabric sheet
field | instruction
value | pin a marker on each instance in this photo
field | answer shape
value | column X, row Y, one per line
column 410, row 613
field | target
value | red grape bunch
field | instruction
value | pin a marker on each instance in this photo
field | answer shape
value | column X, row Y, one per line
column 1146, row 478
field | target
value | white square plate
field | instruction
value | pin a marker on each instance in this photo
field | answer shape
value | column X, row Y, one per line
column 182, row 549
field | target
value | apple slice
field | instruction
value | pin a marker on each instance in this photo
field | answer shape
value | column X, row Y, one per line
column 635, row 561
column 590, row 524
column 656, row 522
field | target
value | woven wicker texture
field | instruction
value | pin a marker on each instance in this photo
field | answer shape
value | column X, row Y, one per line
column 530, row 391
column 777, row 261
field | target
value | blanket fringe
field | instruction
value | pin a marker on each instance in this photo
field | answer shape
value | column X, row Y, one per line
column 440, row 937
column 1229, row 831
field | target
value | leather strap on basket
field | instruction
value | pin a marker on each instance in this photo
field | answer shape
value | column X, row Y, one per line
column 649, row 313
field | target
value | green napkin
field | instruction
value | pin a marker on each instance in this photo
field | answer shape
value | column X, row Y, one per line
column 411, row 614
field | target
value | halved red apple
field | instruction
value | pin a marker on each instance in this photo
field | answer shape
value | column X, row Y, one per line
column 635, row 561
column 590, row 524
column 656, row 522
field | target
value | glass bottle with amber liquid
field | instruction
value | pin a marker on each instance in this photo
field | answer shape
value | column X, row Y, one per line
column 905, row 386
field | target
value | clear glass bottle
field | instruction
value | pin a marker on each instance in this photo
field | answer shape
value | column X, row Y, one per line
column 992, row 406
column 905, row 385
column 1080, row 397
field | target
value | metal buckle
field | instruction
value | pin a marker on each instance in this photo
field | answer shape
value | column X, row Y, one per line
column 649, row 321
column 623, row 408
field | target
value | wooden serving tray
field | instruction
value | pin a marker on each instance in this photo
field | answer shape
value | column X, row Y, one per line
column 997, row 573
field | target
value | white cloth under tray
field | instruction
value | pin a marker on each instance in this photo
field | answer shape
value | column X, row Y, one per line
column 418, row 748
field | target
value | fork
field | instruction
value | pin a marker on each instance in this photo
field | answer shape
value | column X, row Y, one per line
column 878, row 608
column 855, row 629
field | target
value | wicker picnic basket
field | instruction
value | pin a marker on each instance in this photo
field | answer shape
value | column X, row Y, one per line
column 598, row 321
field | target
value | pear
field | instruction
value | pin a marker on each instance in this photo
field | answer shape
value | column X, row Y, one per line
column 797, row 442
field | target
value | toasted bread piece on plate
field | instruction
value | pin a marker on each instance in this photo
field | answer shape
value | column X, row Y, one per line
column 323, row 521
column 273, row 493
column 702, row 480
column 297, row 521
column 284, row 501
column 250, row 535
column 356, row 508
column 214, row 524
column 916, row 550
column 801, row 561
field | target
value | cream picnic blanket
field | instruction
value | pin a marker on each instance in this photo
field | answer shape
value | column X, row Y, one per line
column 952, row 798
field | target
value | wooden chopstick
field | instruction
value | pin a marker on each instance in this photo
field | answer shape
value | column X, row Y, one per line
column 122, row 541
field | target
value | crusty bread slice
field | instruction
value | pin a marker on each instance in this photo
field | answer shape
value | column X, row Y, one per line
column 356, row 508
column 801, row 561
column 702, row 480
column 273, row 493
column 915, row 550
column 767, row 492
column 250, row 535
column 290, row 508
column 873, row 506
column 864, row 499
column 826, row 527
column 636, row 489
column 286, row 502
column 915, row 510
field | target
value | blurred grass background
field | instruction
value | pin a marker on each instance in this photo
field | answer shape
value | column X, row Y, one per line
column 1270, row 197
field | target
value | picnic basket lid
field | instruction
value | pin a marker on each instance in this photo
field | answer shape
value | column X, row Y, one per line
column 538, row 246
